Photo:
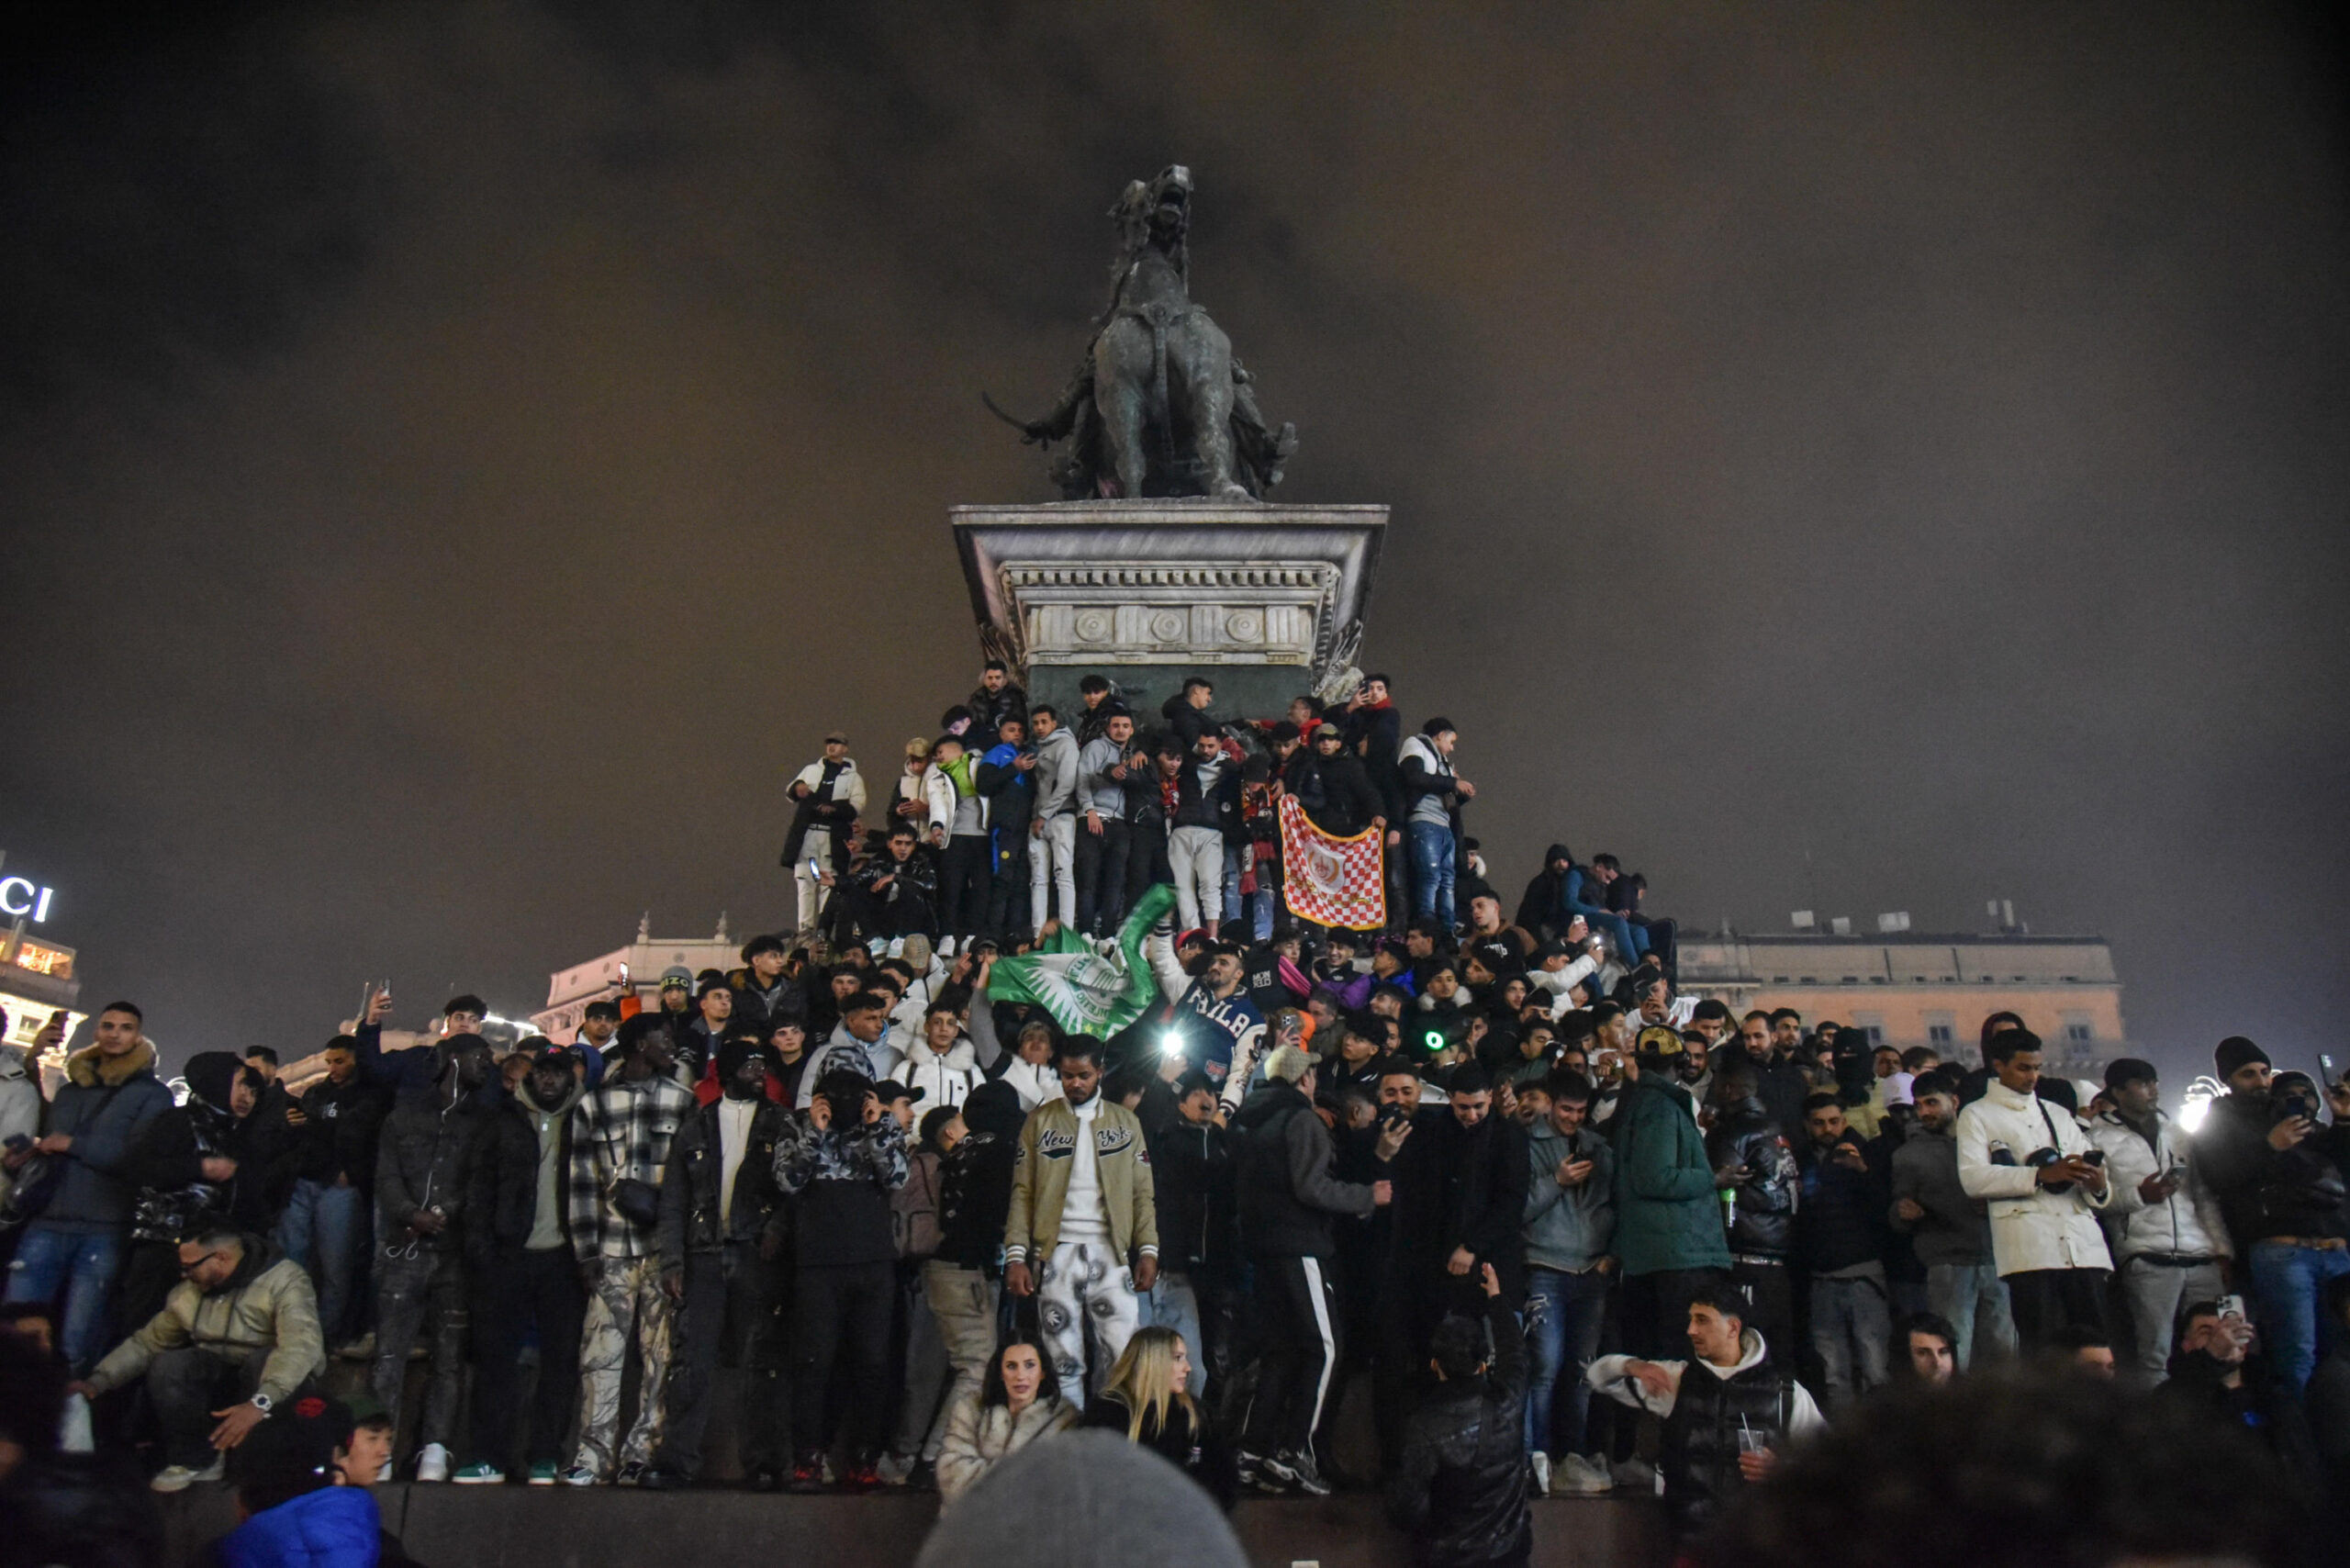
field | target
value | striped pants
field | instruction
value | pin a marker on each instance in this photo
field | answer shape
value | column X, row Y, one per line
column 1297, row 1324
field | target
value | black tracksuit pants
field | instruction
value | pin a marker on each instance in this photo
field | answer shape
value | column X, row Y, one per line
column 1298, row 1342
column 965, row 867
column 1102, row 875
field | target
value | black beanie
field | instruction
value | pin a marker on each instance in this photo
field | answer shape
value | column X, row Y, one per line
column 2235, row 1051
column 733, row 1051
column 210, row 1075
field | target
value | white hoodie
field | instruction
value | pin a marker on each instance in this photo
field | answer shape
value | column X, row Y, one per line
column 1608, row 1375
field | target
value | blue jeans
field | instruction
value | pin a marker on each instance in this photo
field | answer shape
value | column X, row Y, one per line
column 1851, row 1325
column 2286, row 1282
column 325, row 1229
column 1233, row 908
column 1432, row 852
column 1628, row 940
column 1173, row 1304
column 1975, row 1301
column 1563, row 1316
column 78, row 1267
column 1260, row 910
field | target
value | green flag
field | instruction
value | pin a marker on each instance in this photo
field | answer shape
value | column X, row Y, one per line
column 1088, row 993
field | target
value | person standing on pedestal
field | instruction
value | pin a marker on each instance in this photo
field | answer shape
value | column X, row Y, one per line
column 1207, row 812
column 1006, row 778
column 830, row 796
column 1375, row 733
column 1105, row 828
column 997, row 698
column 1052, row 851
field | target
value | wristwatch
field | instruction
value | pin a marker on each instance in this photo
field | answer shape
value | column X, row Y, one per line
column 263, row 1402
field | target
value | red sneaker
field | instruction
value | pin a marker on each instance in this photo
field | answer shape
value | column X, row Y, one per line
column 807, row 1475
column 863, row 1477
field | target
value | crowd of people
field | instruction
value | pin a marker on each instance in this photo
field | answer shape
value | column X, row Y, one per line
column 1459, row 1172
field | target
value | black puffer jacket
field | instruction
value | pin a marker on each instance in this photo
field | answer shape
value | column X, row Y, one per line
column 690, row 1199
column 503, row 1180
column 1460, row 1488
column 1764, row 1223
column 1699, row 1458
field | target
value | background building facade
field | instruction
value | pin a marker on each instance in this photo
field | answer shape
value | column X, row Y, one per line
column 1907, row 988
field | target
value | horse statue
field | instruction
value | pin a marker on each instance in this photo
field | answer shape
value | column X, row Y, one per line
column 1159, row 406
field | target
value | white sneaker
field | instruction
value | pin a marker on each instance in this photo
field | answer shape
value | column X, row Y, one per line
column 1540, row 1463
column 180, row 1477
column 1581, row 1477
column 432, row 1462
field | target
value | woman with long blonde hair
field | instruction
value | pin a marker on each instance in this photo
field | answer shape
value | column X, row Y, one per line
column 1148, row 1400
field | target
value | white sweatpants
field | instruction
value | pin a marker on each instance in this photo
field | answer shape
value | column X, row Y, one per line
column 1196, row 853
column 1086, row 1282
column 817, row 846
column 1052, row 859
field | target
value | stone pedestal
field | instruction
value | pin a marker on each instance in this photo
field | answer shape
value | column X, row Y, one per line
column 1265, row 600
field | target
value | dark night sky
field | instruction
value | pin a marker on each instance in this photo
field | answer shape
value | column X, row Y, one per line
column 458, row 457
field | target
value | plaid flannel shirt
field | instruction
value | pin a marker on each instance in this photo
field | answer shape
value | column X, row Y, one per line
column 620, row 1133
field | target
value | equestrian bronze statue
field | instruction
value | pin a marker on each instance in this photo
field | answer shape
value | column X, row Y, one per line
column 1159, row 407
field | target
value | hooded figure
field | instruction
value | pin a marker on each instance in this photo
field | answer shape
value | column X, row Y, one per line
column 188, row 1176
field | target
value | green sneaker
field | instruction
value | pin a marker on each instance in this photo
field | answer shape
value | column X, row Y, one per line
column 543, row 1473
column 478, row 1475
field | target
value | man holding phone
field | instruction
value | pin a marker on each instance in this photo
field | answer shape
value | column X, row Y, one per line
column 2032, row 1163
column 2163, row 1224
column 2277, row 1170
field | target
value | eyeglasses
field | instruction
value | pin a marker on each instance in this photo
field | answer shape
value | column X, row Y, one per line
column 200, row 1262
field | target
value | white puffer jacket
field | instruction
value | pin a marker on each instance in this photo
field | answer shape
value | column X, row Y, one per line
column 2031, row 1228
column 944, row 1079
column 2184, row 1224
